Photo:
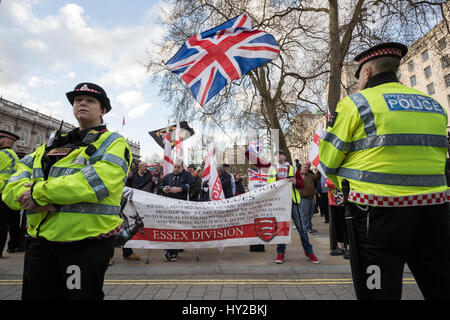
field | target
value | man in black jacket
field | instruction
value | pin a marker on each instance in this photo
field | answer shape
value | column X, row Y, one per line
column 226, row 181
column 176, row 185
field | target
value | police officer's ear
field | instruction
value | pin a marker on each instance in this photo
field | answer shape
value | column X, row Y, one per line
column 103, row 112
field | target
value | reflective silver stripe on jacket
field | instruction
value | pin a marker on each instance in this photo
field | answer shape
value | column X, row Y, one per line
column 91, row 208
column 103, row 147
column 13, row 163
column 411, row 180
column 365, row 112
column 116, row 160
column 423, row 140
column 59, row 171
column 88, row 208
column 28, row 161
column 38, row 173
column 22, row 175
column 95, row 182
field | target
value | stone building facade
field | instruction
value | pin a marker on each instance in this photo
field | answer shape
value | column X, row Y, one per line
column 34, row 128
column 426, row 67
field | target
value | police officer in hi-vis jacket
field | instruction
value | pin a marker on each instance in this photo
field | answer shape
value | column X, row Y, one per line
column 9, row 219
column 390, row 142
column 71, row 188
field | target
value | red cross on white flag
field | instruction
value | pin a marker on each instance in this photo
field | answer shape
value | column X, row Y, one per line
column 314, row 149
column 210, row 173
column 168, row 159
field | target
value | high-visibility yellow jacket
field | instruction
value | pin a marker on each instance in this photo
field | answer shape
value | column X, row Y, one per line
column 272, row 177
column 88, row 189
column 8, row 165
column 388, row 141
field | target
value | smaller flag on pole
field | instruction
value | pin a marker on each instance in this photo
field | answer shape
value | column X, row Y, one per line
column 314, row 149
column 210, row 173
column 178, row 143
column 168, row 160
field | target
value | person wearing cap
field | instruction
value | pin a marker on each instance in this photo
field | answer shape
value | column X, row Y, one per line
column 9, row 219
column 390, row 142
column 71, row 187
column 283, row 170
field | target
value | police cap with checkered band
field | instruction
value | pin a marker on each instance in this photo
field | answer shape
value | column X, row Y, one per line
column 387, row 49
column 90, row 89
column 9, row 135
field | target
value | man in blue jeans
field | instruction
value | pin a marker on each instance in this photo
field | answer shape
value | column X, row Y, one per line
column 307, row 194
column 283, row 170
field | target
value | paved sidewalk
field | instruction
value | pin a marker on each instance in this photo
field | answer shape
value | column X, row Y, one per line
column 233, row 274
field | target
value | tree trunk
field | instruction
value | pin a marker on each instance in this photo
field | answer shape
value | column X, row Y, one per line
column 334, row 84
column 271, row 111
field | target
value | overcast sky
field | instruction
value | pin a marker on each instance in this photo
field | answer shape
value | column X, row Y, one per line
column 49, row 46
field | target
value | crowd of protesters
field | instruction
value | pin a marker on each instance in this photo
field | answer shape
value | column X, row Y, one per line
column 317, row 194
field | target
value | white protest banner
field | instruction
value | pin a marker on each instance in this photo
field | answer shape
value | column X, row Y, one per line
column 261, row 216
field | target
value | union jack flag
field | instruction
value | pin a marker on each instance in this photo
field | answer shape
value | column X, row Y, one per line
column 210, row 60
column 254, row 147
column 257, row 175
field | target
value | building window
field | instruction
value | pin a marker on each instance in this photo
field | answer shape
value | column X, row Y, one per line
column 411, row 65
column 445, row 61
column 413, row 81
column 447, row 80
column 425, row 55
column 442, row 44
column 430, row 88
column 24, row 137
column 427, row 71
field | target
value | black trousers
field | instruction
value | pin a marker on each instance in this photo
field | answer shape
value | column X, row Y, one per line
column 338, row 222
column 323, row 205
column 65, row 271
column 9, row 221
column 387, row 238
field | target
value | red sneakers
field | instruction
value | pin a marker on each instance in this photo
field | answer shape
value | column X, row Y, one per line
column 312, row 257
column 280, row 258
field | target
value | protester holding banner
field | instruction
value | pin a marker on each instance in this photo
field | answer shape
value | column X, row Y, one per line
column 157, row 176
column 283, row 170
column 307, row 194
column 176, row 185
column 142, row 179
